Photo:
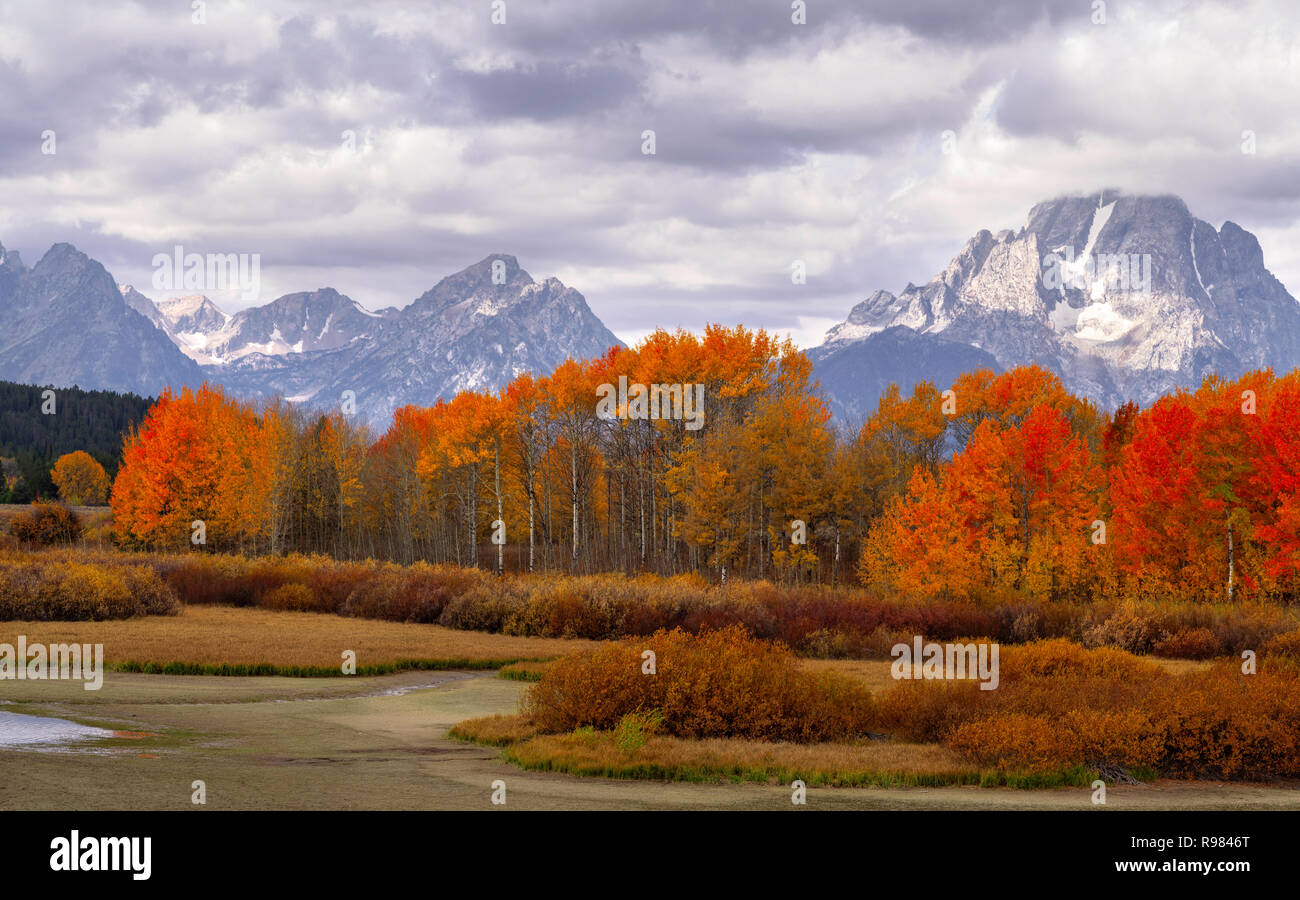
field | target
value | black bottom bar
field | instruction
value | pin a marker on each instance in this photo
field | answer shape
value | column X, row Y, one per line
column 649, row 853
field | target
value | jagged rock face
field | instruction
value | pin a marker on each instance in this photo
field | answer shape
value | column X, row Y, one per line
column 144, row 306
column 1126, row 297
column 12, row 271
column 66, row 324
column 310, row 320
column 193, row 314
column 295, row 323
column 471, row 331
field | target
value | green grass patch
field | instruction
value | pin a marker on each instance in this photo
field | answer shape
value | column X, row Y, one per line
column 530, row 670
column 737, row 774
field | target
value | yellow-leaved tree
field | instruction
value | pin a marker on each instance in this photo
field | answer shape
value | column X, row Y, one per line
column 80, row 478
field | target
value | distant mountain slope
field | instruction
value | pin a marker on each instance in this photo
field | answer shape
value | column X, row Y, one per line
column 853, row 374
column 144, row 306
column 66, row 323
column 1125, row 297
column 295, row 323
column 471, row 331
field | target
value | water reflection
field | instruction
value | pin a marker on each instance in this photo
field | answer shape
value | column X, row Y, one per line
column 19, row 730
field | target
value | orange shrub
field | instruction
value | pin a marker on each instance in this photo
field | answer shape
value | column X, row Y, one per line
column 416, row 594
column 1061, row 657
column 1012, row 741
column 46, row 523
column 1190, row 643
column 1061, row 705
column 291, row 598
column 203, row 578
column 1286, row 644
column 1135, row 627
column 229, row 580
column 720, row 683
column 1222, row 724
column 485, row 607
column 66, row 589
column 1040, row 679
column 927, row 710
column 1089, row 737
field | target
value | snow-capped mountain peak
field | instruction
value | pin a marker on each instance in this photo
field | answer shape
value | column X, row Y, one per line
column 1125, row 297
column 295, row 323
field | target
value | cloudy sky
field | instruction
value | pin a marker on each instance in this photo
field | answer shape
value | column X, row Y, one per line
column 822, row 142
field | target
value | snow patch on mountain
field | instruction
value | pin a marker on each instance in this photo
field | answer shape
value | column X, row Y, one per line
column 1191, row 249
column 1099, row 322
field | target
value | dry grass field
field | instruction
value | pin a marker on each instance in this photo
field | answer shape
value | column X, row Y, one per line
column 219, row 635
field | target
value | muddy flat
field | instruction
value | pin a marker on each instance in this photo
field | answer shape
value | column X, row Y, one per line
column 381, row 743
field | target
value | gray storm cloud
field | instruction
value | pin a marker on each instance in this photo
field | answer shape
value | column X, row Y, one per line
column 376, row 148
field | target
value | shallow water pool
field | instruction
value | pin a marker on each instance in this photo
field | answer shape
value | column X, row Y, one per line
column 20, row 730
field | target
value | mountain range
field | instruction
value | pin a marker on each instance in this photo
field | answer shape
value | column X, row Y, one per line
column 1124, row 296
column 68, row 323
column 292, row 324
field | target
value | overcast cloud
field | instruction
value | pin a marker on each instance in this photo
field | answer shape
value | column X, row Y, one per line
column 774, row 141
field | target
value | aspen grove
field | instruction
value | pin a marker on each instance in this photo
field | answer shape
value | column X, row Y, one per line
column 1006, row 485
